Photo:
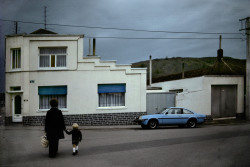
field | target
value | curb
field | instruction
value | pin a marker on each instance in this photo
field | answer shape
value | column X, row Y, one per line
column 226, row 121
column 218, row 121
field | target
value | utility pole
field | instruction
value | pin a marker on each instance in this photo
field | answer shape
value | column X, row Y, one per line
column 150, row 70
column 45, row 17
column 16, row 27
column 245, row 25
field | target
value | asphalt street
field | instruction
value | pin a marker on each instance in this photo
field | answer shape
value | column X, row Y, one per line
column 207, row 145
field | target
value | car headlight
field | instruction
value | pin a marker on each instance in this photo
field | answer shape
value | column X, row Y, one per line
column 141, row 119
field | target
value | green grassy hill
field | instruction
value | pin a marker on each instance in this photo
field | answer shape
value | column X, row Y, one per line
column 171, row 68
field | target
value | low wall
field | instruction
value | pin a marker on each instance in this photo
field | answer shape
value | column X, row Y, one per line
column 2, row 114
column 86, row 119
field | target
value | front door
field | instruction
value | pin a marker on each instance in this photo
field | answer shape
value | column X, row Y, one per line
column 17, row 108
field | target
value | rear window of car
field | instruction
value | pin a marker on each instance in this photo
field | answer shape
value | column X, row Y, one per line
column 187, row 112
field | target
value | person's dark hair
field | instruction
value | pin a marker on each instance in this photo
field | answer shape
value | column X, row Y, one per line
column 54, row 103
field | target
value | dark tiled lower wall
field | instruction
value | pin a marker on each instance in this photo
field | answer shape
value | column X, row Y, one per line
column 86, row 119
column 7, row 120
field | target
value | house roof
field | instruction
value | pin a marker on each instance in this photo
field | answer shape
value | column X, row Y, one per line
column 43, row 31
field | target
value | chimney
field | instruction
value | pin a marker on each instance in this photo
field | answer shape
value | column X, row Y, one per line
column 219, row 51
column 93, row 46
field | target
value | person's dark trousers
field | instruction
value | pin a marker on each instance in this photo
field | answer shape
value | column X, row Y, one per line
column 53, row 147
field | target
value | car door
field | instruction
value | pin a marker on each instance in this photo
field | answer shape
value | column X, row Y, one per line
column 186, row 115
column 171, row 117
column 179, row 116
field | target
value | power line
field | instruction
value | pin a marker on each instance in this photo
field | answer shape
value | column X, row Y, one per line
column 159, row 38
column 124, row 29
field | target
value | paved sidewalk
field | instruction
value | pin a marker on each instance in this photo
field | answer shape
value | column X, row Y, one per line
column 226, row 121
column 216, row 121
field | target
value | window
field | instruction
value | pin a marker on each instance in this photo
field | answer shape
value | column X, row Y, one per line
column 52, row 57
column 176, row 90
column 111, row 95
column 16, row 58
column 187, row 112
column 46, row 93
column 175, row 111
column 15, row 88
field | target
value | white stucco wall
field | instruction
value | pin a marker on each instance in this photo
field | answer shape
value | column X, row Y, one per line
column 196, row 93
column 82, row 88
column 82, row 76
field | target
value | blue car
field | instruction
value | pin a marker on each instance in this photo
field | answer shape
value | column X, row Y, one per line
column 171, row 116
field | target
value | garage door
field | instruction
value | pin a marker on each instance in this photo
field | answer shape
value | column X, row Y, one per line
column 157, row 102
column 224, row 101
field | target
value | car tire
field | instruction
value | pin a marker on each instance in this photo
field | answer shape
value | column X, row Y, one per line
column 192, row 123
column 152, row 124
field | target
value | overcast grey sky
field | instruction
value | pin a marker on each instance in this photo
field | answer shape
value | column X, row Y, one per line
column 216, row 16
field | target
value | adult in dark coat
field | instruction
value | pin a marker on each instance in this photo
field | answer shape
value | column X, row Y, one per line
column 54, row 127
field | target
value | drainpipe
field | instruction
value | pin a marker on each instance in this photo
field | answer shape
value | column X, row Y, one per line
column 89, row 46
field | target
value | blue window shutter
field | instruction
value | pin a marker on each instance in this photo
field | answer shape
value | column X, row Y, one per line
column 52, row 90
column 111, row 88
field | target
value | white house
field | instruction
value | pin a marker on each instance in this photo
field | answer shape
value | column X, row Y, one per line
column 90, row 91
column 216, row 96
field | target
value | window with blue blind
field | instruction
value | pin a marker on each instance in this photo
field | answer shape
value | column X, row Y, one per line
column 52, row 90
column 46, row 93
column 111, row 95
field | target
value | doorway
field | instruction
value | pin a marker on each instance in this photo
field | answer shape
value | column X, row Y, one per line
column 224, row 101
column 17, row 108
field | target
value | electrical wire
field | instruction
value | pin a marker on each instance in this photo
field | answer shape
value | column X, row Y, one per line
column 157, row 38
column 121, row 29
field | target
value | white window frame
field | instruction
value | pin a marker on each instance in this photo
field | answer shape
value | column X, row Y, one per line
column 18, row 60
column 111, row 96
column 50, row 55
column 107, row 98
column 48, row 98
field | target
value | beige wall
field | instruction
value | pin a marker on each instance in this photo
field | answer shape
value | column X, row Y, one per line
column 81, row 76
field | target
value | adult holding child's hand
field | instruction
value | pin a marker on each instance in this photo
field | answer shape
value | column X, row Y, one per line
column 54, row 127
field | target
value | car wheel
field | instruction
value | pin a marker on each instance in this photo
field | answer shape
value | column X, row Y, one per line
column 153, row 124
column 191, row 123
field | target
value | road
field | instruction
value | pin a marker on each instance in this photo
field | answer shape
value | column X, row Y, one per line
column 220, row 146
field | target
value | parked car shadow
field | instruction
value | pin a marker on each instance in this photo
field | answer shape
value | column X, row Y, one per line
column 168, row 127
